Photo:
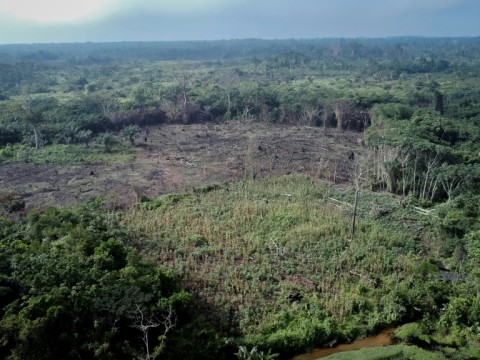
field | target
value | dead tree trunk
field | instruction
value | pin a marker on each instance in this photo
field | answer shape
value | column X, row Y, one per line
column 343, row 109
column 354, row 215
column 358, row 171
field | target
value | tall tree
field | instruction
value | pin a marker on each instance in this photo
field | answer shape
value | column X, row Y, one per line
column 33, row 117
column 438, row 102
column 228, row 81
column 343, row 109
column 182, row 79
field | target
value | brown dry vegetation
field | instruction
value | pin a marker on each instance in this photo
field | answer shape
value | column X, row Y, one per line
column 180, row 157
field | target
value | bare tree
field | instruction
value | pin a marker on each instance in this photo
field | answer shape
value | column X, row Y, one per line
column 250, row 163
column 404, row 161
column 309, row 114
column 33, row 117
column 228, row 81
column 451, row 177
column 207, row 112
column 365, row 117
column 145, row 324
column 106, row 103
column 182, row 79
column 358, row 174
column 343, row 111
column 380, row 159
column 172, row 111
column 326, row 115
column 430, row 164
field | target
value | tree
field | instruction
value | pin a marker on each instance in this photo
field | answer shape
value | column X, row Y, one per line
column 33, row 117
column 309, row 114
column 451, row 177
column 131, row 132
column 438, row 102
column 106, row 103
column 172, row 111
column 77, row 287
column 359, row 170
column 108, row 140
column 70, row 133
column 326, row 115
column 365, row 117
column 182, row 79
column 229, row 80
column 343, row 110
column 84, row 136
column 144, row 325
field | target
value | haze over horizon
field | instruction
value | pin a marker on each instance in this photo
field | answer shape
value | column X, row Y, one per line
column 47, row 21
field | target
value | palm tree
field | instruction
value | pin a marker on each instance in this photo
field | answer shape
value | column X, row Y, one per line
column 84, row 136
column 130, row 132
column 108, row 140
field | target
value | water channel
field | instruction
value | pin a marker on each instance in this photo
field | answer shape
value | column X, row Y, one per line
column 383, row 338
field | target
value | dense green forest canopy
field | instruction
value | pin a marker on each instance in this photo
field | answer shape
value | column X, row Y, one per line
column 280, row 81
column 259, row 266
column 392, row 48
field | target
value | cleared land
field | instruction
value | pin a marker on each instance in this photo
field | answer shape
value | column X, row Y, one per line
column 181, row 157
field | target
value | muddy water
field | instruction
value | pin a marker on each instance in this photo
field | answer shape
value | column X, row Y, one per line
column 381, row 339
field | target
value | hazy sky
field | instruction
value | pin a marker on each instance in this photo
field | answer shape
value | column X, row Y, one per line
column 27, row 21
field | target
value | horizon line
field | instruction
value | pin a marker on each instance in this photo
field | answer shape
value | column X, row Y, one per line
column 241, row 39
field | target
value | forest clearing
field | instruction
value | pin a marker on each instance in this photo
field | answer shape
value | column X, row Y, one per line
column 186, row 200
column 177, row 158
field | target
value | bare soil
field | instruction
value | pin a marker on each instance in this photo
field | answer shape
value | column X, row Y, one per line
column 177, row 158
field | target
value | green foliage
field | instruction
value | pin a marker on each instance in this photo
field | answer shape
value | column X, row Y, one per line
column 131, row 132
column 165, row 201
column 84, row 136
column 72, row 284
column 460, row 216
column 412, row 333
column 274, row 272
column 108, row 140
column 253, row 354
column 293, row 253
column 64, row 154
column 197, row 339
column 396, row 352
column 11, row 202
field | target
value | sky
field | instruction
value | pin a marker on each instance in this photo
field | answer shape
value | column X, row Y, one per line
column 47, row 21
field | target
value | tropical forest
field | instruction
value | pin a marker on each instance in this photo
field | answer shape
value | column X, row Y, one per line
column 240, row 199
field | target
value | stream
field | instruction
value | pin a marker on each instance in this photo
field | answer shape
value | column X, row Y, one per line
column 381, row 339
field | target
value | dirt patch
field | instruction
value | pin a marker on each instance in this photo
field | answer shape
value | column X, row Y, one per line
column 181, row 157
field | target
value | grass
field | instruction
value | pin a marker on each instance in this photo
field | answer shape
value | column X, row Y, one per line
column 65, row 154
column 246, row 249
column 394, row 352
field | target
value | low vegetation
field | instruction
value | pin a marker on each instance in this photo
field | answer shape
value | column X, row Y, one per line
column 371, row 219
column 396, row 352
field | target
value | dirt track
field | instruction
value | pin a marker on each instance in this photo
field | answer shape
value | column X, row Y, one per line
column 179, row 157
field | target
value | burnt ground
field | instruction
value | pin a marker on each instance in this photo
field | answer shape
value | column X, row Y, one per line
column 177, row 158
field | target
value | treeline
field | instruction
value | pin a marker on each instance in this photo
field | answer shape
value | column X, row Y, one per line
column 391, row 48
column 52, row 103
column 72, row 285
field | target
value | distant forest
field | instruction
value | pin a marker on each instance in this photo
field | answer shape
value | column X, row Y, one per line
column 390, row 48
column 325, row 190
